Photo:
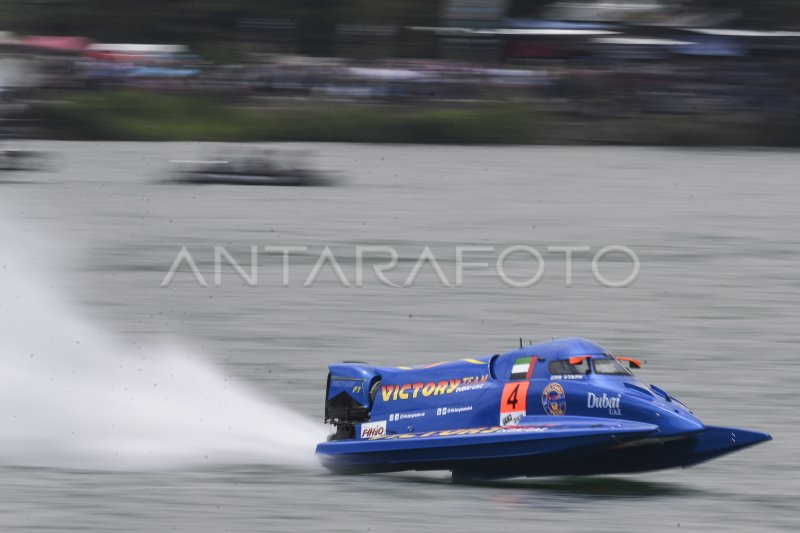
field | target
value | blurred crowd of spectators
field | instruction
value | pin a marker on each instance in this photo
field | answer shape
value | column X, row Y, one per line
column 619, row 76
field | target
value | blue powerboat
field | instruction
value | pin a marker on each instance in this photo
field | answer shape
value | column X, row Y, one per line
column 564, row 407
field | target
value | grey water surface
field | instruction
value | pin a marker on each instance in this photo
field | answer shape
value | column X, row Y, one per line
column 714, row 312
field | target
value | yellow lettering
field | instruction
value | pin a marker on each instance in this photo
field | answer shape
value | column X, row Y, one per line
column 404, row 391
column 417, row 387
column 454, row 383
column 440, row 388
column 386, row 392
column 428, row 389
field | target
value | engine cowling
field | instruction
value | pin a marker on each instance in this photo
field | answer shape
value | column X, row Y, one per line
column 349, row 395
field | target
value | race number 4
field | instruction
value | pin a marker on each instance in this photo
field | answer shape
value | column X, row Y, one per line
column 513, row 402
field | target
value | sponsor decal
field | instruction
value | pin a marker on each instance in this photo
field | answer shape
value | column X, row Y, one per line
column 394, row 417
column 471, row 386
column 457, row 432
column 513, row 402
column 512, row 418
column 521, row 368
column 442, row 411
column 353, row 384
column 554, row 400
column 371, row 430
column 611, row 403
column 566, row 376
column 523, row 429
column 432, row 388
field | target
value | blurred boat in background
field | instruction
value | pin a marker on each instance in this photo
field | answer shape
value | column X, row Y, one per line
column 259, row 167
column 17, row 160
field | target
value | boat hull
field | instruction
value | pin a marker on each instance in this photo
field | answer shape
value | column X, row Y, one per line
column 520, row 449
column 530, row 451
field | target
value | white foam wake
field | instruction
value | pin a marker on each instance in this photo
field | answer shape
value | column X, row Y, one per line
column 72, row 397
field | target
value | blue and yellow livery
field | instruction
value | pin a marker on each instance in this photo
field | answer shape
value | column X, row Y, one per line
column 564, row 407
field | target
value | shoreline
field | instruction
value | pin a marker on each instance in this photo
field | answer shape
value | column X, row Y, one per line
column 141, row 116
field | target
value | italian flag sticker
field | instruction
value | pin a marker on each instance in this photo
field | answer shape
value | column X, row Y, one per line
column 521, row 368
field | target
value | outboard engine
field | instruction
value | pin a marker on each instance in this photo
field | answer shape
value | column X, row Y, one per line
column 349, row 396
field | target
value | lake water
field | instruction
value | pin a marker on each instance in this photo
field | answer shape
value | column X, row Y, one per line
column 129, row 406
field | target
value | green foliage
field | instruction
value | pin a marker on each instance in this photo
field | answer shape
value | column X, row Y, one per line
column 132, row 115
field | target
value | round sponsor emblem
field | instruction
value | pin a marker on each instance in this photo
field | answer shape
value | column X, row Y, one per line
column 554, row 400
